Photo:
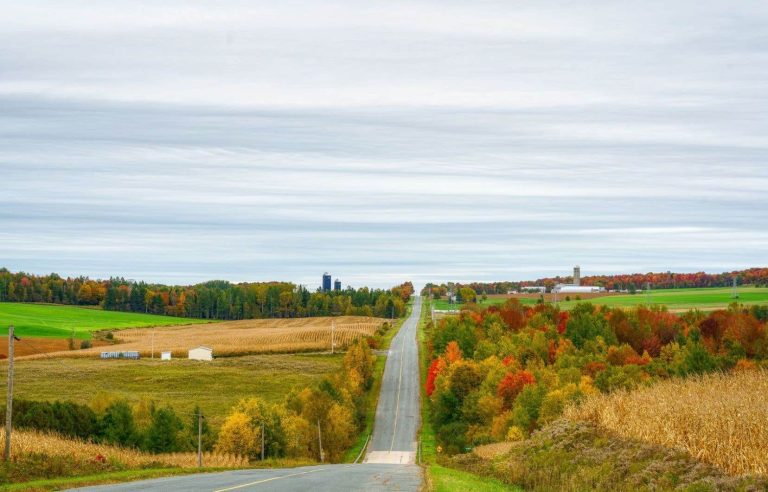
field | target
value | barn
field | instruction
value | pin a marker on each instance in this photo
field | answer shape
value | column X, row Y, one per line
column 201, row 353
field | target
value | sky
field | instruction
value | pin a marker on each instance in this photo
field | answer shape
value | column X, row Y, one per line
column 179, row 142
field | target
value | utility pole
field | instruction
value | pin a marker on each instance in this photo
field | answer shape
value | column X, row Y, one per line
column 153, row 343
column 262, row 441
column 735, row 294
column 648, row 293
column 199, row 438
column 333, row 332
column 320, row 441
column 9, row 401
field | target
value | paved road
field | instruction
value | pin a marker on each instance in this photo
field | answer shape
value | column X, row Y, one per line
column 389, row 462
column 397, row 416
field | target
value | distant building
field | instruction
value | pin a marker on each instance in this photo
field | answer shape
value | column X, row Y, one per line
column 201, row 353
column 576, row 287
column 120, row 355
column 326, row 282
column 337, row 285
column 533, row 289
column 165, row 356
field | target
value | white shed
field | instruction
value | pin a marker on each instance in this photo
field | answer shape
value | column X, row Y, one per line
column 165, row 356
column 201, row 353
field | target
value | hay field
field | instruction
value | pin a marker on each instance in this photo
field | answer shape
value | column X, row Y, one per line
column 241, row 337
column 721, row 419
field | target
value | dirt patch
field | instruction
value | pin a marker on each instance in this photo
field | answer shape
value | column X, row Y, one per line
column 42, row 345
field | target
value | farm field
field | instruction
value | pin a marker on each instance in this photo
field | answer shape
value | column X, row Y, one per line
column 216, row 386
column 54, row 321
column 231, row 338
column 721, row 419
column 675, row 299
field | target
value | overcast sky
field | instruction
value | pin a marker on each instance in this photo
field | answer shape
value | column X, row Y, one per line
column 382, row 141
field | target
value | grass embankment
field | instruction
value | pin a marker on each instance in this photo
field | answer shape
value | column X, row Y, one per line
column 48, row 320
column 372, row 398
column 675, row 299
column 216, row 386
column 440, row 478
column 578, row 456
column 700, row 434
column 41, row 456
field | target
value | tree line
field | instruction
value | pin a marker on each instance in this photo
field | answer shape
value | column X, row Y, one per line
column 217, row 299
column 114, row 421
column 632, row 281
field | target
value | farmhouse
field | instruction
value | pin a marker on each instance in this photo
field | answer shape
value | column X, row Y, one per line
column 201, row 353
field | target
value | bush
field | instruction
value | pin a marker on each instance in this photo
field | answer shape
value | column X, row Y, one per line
column 85, row 344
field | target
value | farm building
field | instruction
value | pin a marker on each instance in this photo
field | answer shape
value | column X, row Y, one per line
column 576, row 287
column 165, row 356
column 533, row 289
column 201, row 353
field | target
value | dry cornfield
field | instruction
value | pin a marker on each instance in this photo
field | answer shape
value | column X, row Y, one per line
column 25, row 442
column 241, row 337
column 721, row 419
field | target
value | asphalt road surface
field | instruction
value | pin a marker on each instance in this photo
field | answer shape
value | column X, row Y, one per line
column 389, row 462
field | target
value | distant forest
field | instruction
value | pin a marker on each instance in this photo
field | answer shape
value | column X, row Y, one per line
column 217, row 299
column 665, row 280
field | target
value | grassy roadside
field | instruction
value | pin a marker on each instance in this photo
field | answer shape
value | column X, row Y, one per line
column 440, row 478
column 372, row 399
column 103, row 478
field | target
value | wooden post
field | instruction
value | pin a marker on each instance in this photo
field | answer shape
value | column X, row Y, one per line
column 320, row 441
column 199, row 438
column 9, row 401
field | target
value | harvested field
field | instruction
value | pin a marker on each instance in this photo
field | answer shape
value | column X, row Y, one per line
column 721, row 419
column 242, row 337
column 37, row 345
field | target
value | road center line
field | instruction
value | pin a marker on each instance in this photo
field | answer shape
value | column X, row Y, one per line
column 269, row 480
column 399, row 384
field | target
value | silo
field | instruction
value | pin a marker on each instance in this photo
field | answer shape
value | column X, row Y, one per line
column 577, row 275
column 326, row 282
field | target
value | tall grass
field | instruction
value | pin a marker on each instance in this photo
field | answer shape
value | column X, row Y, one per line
column 26, row 443
column 721, row 419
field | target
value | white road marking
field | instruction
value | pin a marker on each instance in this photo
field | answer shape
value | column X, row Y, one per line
column 399, row 384
column 269, row 480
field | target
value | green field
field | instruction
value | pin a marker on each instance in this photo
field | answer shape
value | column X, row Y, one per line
column 705, row 299
column 48, row 320
column 216, row 386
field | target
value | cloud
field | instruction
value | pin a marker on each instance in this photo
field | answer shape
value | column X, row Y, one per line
column 384, row 141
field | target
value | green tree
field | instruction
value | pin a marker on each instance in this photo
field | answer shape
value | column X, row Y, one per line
column 117, row 425
column 163, row 434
